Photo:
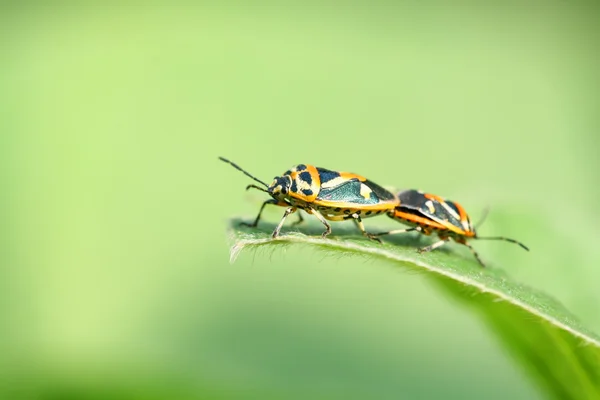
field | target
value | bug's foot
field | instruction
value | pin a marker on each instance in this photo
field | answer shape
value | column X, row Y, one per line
column 247, row 224
column 275, row 234
column 374, row 237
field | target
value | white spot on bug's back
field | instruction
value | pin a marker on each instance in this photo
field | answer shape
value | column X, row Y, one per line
column 451, row 210
column 334, row 182
column 365, row 191
column 302, row 184
column 430, row 206
column 466, row 225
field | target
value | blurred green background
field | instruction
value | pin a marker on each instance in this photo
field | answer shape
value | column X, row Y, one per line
column 115, row 280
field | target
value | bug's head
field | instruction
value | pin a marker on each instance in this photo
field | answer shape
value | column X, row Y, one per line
column 280, row 187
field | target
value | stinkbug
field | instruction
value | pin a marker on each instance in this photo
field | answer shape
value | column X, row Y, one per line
column 328, row 195
column 428, row 213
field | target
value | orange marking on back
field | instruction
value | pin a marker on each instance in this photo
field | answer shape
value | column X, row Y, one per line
column 302, row 196
column 350, row 175
column 434, row 197
column 452, row 228
column 461, row 212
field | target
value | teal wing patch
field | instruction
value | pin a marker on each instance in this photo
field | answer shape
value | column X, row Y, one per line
column 351, row 191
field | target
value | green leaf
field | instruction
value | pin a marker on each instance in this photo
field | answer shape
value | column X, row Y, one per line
column 548, row 341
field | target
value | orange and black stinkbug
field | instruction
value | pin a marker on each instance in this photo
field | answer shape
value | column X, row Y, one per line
column 428, row 213
column 328, row 195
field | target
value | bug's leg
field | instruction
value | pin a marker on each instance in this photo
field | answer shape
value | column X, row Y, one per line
column 472, row 251
column 299, row 221
column 288, row 211
column 255, row 223
column 396, row 231
column 359, row 223
column 256, row 187
column 323, row 221
column 432, row 246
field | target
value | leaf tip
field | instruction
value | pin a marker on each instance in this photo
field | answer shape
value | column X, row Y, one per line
column 235, row 251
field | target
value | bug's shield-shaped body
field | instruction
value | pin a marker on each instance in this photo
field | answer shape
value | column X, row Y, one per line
column 433, row 213
column 336, row 195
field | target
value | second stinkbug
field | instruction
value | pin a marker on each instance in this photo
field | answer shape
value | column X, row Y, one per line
column 328, row 195
column 428, row 213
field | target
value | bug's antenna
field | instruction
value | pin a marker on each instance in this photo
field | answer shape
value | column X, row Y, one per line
column 234, row 165
column 486, row 211
column 505, row 239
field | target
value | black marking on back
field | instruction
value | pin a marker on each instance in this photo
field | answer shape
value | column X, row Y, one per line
column 411, row 211
column 382, row 194
column 294, row 187
column 300, row 167
column 413, row 200
column 307, row 192
column 306, row 177
column 326, row 175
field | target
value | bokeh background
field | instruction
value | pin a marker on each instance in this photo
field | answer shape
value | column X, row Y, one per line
column 115, row 279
